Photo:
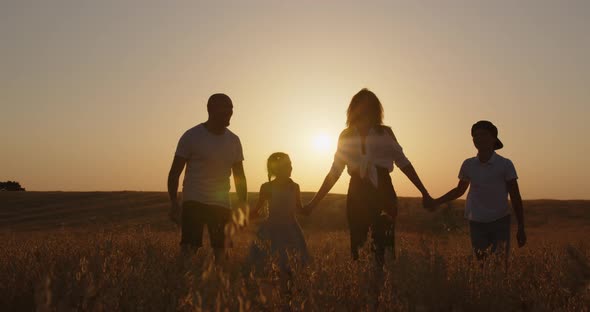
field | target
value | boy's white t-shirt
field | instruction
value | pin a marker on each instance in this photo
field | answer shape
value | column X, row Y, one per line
column 210, row 158
column 487, row 200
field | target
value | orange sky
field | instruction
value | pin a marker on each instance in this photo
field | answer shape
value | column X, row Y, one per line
column 95, row 95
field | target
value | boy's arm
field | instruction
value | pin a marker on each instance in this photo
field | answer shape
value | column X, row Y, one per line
column 454, row 193
column 516, row 200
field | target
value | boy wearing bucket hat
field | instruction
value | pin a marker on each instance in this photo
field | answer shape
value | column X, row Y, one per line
column 492, row 178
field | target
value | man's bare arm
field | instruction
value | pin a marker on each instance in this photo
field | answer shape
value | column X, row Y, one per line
column 240, row 182
column 173, row 176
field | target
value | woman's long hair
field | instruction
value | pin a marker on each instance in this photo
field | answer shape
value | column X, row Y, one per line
column 373, row 108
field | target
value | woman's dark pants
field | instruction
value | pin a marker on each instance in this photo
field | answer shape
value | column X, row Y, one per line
column 364, row 205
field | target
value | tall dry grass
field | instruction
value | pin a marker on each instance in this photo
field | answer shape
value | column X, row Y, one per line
column 141, row 269
column 117, row 252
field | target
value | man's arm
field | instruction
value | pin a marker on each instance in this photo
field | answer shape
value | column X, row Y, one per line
column 454, row 193
column 173, row 176
column 241, row 185
column 516, row 200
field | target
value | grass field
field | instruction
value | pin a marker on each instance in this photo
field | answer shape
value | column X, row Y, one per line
column 108, row 251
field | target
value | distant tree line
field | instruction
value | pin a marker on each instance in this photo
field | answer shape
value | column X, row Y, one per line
column 11, row 186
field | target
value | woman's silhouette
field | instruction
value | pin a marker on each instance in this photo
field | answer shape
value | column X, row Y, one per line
column 369, row 149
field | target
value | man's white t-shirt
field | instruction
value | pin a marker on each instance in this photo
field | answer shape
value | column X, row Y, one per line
column 487, row 200
column 210, row 158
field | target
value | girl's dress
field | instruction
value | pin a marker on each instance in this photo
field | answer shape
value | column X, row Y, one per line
column 280, row 234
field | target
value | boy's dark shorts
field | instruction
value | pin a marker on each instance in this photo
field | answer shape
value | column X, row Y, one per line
column 494, row 236
column 195, row 215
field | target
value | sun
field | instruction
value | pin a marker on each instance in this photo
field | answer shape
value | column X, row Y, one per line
column 323, row 143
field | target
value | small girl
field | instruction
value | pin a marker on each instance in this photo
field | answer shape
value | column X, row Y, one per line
column 281, row 228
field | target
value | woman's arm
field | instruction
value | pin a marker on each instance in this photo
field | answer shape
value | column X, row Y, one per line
column 327, row 185
column 332, row 176
column 411, row 173
column 408, row 169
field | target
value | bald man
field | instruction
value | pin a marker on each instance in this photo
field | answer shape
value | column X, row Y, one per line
column 211, row 154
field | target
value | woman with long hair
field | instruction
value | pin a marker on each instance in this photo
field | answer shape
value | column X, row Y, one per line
column 369, row 150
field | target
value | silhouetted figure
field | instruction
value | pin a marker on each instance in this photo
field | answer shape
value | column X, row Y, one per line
column 11, row 186
column 211, row 153
column 281, row 228
column 369, row 150
column 492, row 177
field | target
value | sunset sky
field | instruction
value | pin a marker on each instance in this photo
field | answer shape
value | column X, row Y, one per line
column 94, row 95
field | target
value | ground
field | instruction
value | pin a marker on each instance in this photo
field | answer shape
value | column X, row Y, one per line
column 118, row 251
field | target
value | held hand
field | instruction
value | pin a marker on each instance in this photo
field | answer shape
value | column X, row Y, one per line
column 243, row 207
column 434, row 205
column 308, row 208
column 175, row 214
column 243, row 214
column 390, row 212
column 303, row 211
column 254, row 213
column 521, row 236
column 428, row 203
column 240, row 215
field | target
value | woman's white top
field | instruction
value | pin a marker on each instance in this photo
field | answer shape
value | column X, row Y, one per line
column 381, row 150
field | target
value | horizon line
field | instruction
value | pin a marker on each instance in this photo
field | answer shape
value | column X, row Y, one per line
column 249, row 192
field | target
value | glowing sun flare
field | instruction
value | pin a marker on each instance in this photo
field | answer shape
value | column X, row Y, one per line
column 322, row 143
